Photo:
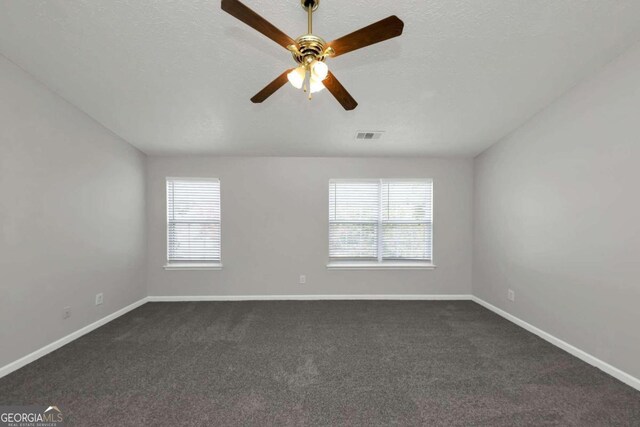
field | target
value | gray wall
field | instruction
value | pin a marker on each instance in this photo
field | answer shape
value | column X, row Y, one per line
column 557, row 218
column 275, row 227
column 72, row 217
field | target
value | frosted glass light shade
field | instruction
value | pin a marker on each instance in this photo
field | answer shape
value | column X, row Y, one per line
column 319, row 70
column 297, row 76
column 315, row 85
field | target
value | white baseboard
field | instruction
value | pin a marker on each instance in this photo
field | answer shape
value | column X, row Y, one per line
column 181, row 298
column 582, row 355
column 7, row 369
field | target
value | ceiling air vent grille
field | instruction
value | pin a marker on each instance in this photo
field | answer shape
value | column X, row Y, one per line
column 366, row 135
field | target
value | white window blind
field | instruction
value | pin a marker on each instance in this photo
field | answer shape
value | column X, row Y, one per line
column 193, row 220
column 380, row 220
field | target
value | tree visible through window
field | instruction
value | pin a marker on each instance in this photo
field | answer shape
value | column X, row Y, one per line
column 380, row 220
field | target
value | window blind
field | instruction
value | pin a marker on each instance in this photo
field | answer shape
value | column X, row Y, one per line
column 378, row 220
column 193, row 220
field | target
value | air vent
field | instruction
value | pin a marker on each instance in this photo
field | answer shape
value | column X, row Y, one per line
column 369, row 134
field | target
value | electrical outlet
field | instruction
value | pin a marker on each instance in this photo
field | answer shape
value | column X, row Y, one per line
column 66, row 312
column 511, row 295
column 303, row 279
column 99, row 299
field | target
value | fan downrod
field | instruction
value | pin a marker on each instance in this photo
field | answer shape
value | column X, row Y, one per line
column 309, row 47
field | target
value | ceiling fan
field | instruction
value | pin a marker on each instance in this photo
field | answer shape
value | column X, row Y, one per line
column 310, row 51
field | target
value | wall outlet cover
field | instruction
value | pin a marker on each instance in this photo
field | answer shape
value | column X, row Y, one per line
column 303, row 279
column 66, row 312
column 99, row 299
column 511, row 295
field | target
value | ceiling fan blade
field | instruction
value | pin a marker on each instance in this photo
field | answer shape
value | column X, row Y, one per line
column 339, row 92
column 378, row 32
column 271, row 88
column 257, row 22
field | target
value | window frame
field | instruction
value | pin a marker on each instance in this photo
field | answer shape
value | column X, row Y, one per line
column 380, row 263
column 191, row 265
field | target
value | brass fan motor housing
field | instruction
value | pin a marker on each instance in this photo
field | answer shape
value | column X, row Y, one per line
column 309, row 48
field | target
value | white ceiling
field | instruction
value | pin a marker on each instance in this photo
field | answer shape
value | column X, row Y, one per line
column 175, row 76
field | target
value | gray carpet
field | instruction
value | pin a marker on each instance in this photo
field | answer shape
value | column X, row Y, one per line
column 319, row 363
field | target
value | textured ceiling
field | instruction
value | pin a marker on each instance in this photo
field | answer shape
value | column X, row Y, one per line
column 175, row 76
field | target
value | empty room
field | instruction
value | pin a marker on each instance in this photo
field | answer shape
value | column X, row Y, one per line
column 319, row 213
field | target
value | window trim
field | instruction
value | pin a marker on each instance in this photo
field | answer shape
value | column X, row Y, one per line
column 193, row 266
column 383, row 265
column 190, row 265
column 379, row 263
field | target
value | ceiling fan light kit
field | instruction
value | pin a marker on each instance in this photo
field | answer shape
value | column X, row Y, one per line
column 310, row 51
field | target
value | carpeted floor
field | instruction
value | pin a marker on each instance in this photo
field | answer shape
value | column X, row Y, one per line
column 319, row 363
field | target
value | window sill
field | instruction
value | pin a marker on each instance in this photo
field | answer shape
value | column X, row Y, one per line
column 381, row 266
column 193, row 266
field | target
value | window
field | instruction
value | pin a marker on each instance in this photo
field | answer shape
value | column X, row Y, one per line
column 193, row 223
column 380, row 223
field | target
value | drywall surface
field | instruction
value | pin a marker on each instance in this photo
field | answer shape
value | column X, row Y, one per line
column 175, row 76
column 72, row 217
column 275, row 227
column 557, row 211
